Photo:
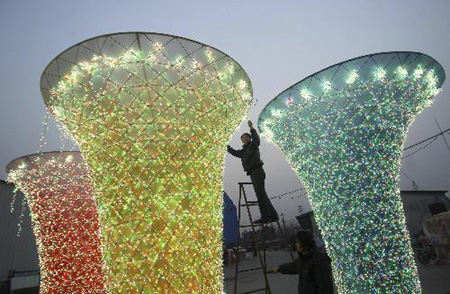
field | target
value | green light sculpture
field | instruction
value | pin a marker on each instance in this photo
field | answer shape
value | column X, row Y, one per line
column 342, row 130
column 153, row 114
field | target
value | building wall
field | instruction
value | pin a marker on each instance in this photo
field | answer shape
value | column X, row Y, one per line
column 17, row 253
column 416, row 206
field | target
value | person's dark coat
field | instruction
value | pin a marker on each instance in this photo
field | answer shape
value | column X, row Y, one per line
column 249, row 154
column 314, row 273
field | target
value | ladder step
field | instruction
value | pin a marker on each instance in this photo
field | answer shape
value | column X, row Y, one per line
column 250, row 203
column 245, row 183
column 248, row 226
column 250, row 269
column 254, row 291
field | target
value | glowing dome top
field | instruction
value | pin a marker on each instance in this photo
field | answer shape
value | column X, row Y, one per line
column 350, row 75
column 171, row 60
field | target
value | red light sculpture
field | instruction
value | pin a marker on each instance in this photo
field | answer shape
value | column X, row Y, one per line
column 65, row 220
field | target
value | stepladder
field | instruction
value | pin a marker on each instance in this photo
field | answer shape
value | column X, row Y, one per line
column 258, row 242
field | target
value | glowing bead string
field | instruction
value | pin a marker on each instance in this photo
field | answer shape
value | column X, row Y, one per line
column 64, row 219
column 44, row 133
column 21, row 216
column 23, row 203
column 343, row 136
column 64, row 137
column 43, row 141
column 153, row 120
column 14, row 197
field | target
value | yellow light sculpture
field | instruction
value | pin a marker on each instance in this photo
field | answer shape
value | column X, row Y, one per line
column 153, row 114
column 65, row 220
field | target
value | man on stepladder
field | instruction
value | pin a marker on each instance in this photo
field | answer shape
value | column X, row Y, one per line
column 252, row 163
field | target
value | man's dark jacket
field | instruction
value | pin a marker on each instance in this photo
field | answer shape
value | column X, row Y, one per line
column 249, row 154
column 314, row 273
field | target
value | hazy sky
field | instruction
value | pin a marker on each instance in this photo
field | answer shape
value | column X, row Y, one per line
column 278, row 43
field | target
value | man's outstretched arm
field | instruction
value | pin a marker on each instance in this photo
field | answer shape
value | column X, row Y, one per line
column 255, row 136
column 237, row 153
column 290, row 268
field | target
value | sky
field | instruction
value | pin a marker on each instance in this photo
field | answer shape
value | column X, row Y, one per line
column 278, row 43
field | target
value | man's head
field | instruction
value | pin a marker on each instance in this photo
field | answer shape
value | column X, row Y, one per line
column 304, row 242
column 246, row 138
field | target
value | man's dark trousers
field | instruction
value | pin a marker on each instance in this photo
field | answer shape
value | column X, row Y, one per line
column 258, row 176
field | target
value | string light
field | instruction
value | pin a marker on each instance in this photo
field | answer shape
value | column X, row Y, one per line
column 65, row 220
column 418, row 72
column 401, row 72
column 346, row 145
column 352, row 77
column 152, row 115
column 380, row 74
column 44, row 133
column 305, row 94
column 326, row 86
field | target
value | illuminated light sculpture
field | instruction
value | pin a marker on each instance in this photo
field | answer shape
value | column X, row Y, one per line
column 65, row 220
column 153, row 114
column 342, row 130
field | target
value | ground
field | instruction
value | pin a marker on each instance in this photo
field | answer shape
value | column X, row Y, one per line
column 435, row 279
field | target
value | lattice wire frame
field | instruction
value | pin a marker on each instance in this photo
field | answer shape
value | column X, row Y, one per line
column 65, row 220
column 153, row 114
column 342, row 130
